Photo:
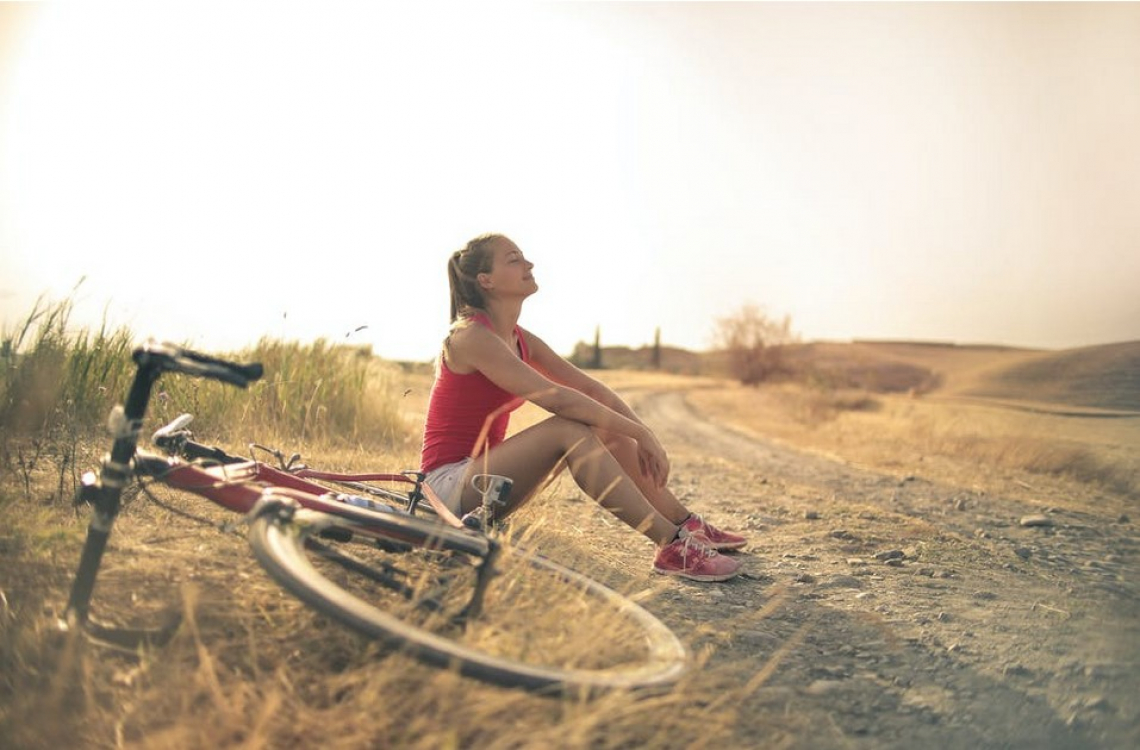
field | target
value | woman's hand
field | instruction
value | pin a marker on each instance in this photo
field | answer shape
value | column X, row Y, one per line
column 652, row 459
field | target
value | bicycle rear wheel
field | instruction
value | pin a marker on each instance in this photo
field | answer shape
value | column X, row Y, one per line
column 536, row 625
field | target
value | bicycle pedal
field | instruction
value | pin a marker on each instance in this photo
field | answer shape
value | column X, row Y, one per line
column 474, row 520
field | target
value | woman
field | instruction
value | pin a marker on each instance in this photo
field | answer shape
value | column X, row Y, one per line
column 489, row 366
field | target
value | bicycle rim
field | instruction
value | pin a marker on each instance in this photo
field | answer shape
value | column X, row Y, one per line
column 542, row 626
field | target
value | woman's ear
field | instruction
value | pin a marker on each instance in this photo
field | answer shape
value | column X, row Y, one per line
column 484, row 280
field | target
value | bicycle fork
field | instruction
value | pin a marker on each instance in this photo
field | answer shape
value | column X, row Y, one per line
column 104, row 493
column 484, row 572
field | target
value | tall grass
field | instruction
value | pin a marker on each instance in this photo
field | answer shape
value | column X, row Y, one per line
column 316, row 393
column 58, row 384
column 51, row 376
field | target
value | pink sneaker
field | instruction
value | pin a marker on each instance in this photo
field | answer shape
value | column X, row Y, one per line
column 696, row 526
column 688, row 557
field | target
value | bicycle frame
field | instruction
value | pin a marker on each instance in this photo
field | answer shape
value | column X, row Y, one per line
column 175, row 440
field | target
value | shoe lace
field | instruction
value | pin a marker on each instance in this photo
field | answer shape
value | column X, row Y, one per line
column 701, row 549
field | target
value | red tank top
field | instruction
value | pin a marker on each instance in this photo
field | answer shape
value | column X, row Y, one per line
column 467, row 413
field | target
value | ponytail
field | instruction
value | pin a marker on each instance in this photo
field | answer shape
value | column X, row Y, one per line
column 463, row 269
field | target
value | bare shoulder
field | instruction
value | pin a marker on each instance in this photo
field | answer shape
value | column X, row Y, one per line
column 467, row 344
column 461, row 339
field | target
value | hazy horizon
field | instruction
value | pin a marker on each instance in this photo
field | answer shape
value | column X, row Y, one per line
column 957, row 173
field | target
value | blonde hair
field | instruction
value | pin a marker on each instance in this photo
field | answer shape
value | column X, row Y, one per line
column 463, row 269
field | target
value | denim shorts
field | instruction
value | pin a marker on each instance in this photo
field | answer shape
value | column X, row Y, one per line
column 447, row 482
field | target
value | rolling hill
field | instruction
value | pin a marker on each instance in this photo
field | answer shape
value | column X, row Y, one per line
column 1096, row 377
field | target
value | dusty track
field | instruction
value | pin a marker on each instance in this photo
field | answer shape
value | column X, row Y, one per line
column 910, row 613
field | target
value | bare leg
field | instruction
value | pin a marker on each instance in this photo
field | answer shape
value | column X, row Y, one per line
column 534, row 454
column 662, row 498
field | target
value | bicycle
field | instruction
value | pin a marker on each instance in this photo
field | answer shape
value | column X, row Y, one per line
column 448, row 594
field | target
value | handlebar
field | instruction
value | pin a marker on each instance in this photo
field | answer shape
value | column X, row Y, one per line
column 163, row 357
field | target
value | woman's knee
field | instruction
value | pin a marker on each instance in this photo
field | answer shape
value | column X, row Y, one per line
column 617, row 444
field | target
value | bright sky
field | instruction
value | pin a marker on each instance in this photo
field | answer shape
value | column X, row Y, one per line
column 222, row 171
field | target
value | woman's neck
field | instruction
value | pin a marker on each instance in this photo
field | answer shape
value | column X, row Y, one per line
column 504, row 316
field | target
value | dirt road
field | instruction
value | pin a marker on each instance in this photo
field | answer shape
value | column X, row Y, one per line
column 899, row 612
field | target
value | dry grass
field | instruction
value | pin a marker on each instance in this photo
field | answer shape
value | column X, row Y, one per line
column 938, row 436
column 252, row 667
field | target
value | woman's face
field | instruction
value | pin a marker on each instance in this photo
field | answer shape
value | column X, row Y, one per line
column 511, row 273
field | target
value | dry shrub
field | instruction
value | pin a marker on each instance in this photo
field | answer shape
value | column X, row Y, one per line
column 813, row 407
column 753, row 343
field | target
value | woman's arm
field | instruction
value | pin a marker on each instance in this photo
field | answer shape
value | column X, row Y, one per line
column 556, row 368
column 477, row 348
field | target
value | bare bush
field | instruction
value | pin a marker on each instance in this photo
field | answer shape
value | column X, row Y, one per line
column 753, row 343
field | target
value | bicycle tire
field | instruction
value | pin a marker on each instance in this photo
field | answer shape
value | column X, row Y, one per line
column 282, row 544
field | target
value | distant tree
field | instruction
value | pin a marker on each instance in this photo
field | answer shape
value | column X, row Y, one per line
column 657, row 349
column 753, row 342
column 597, row 361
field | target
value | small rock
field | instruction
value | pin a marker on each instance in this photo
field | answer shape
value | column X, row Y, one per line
column 960, row 504
column 1097, row 703
column 1090, row 703
column 894, row 562
column 1023, row 552
column 811, row 515
column 856, row 562
column 823, row 687
column 1036, row 520
column 840, row 581
column 1016, row 670
column 1075, row 721
column 1124, row 518
column 894, row 554
column 805, row 578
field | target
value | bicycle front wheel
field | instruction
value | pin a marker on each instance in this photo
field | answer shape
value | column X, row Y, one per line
column 533, row 624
